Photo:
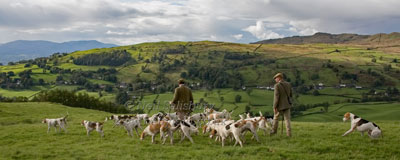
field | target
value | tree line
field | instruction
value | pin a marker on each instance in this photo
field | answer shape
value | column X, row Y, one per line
column 113, row 58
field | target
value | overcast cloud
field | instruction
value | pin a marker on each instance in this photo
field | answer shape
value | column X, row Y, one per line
column 125, row 22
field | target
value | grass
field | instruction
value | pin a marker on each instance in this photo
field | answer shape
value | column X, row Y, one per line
column 370, row 111
column 22, row 136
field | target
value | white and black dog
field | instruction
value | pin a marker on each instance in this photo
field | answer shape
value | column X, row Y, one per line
column 60, row 122
column 131, row 124
column 362, row 126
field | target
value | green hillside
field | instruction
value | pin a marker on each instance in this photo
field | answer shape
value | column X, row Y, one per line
column 252, row 64
column 216, row 71
column 22, row 136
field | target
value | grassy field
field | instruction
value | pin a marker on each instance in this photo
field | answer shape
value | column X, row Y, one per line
column 258, row 100
column 22, row 136
column 370, row 111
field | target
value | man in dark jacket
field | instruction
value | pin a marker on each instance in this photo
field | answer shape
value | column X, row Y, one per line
column 282, row 103
column 183, row 100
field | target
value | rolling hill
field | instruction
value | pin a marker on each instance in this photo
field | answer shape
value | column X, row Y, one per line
column 220, row 64
column 345, row 38
column 218, row 71
column 24, row 49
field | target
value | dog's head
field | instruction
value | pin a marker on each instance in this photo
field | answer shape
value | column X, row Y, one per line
column 44, row 121
column 83, row 122
column 346, row 116
column 121, row 122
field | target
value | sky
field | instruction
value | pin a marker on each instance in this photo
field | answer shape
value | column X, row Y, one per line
column 126, row 22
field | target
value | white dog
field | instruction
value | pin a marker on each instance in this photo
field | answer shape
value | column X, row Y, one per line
column 362, row 126
column 60, row 122
column 131, row 124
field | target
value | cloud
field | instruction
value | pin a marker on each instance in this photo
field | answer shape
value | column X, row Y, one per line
column 238, row 36
column 260, row 30
column 134, row 21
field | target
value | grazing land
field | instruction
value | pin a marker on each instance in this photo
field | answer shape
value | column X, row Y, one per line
column 22, row 136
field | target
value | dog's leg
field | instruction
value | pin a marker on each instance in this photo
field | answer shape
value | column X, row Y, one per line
column 255, row 135
column 137, row 133
column 152, row 138
column 162, row 137
column 182, row 137
column 265, row 131
column 102, row 134
column 362, row 133
column 349, row 131
column 48, row 129
column 171, row 137
column 237, row 138
column 187, row 134
column 223, row 141
column 131, row 132
column 65, row 129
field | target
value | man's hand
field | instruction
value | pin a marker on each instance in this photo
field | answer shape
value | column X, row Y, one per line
column 170, row 102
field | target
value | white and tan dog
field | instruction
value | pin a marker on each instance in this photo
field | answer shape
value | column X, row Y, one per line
column 144, row 117
column 60, row 122
column 199, row 117
column 362, row 125
column 220, row 115
column 263, row 124
column 90, row 126
column 162, row 127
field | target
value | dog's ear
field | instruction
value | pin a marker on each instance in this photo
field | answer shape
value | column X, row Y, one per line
column 347, row 115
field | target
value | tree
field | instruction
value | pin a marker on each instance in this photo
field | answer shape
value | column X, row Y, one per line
column 315, row 76
column 395, row 91
column 183, row 75
column 315, row 93
column 248, row 91
column 326, row 106
column 41, row 81
column 59, row 78
column 10, row 73
column 108, row 88
column 122, row 97
column 387, row 67
column 247, row 109
column 238, row 98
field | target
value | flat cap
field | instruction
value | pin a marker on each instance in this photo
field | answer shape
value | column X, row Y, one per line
column 181, row 81
column 278, row 75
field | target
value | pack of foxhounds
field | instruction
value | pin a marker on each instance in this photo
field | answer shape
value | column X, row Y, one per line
column 218, row 125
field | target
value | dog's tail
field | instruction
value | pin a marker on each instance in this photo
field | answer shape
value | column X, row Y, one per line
column 66, row 116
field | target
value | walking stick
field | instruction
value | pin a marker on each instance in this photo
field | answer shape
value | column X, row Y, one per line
column 282, row 126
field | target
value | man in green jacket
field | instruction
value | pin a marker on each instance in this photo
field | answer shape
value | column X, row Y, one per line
column 183, row 100
column 282, row 103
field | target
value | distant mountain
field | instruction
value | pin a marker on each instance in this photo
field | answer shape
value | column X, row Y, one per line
column 345, row 38
column 23, row 49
